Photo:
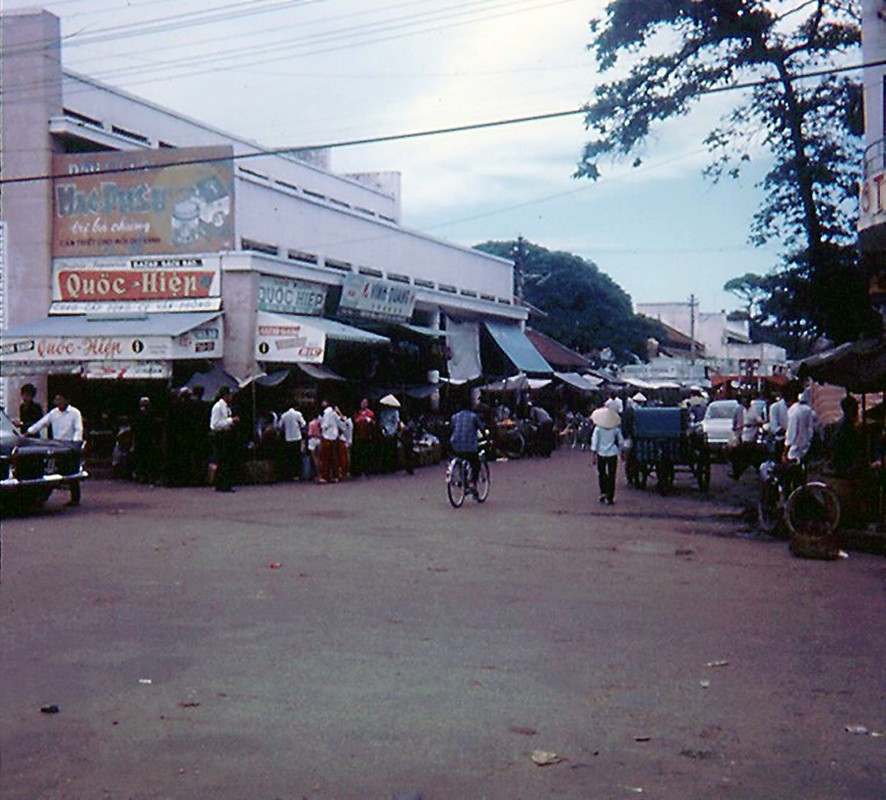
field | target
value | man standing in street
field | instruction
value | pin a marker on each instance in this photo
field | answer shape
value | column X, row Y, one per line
column 329, row 433
column 29, row 411
column 800, row 431
column 67, row 426
column 222, row 424
column 292, row 425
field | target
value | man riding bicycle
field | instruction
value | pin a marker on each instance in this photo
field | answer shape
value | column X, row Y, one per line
column 464, row 438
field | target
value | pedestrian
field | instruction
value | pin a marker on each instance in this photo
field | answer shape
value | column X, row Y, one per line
column 607, row 442
column 66, row 424
column 144, row 442
column 778, row 417
column 365, row 434
column 389, row 427
column 545, row 423
column 315, row 441
column 329, row 434
column 614, row 403
column 29, row 410
column 292, row 425
column 345, row 442
column 222, row 425
column 800, row 431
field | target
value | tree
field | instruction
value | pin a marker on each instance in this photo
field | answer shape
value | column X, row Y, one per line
column 795, row 105
column 586, row 310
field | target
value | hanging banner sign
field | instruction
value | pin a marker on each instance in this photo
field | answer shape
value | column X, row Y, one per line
column 203, row 342
column 143, row 202
column 132, row 370
column 288, row 296
column 373, row 298
column 290, row 341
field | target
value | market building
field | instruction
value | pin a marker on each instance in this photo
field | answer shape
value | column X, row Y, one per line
column 141, row 247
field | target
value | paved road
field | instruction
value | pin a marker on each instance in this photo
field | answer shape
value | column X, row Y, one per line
column 364, row 639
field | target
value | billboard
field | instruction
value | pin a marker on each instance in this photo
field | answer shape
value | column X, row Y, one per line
column 288, row 340
column 146, row 202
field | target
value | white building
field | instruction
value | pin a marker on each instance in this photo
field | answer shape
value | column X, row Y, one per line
column 728, row 348
column 137, row 242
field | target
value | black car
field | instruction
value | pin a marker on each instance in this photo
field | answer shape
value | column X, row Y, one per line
column 31, row 468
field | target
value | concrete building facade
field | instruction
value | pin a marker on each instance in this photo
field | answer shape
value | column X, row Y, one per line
column 277, row 248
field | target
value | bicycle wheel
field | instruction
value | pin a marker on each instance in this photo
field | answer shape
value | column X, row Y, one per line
column 770, row 507
column 512, row 445
column 483, row 482
column 812, row 510
column 457, row 482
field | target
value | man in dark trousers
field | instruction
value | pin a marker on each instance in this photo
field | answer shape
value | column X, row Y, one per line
column 222, row 424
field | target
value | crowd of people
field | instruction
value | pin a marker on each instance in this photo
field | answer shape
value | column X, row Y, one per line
column 195, row 442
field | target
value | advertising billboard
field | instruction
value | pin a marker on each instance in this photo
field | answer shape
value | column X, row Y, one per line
column 288, row 339
column 147, row 202
column 377, row 299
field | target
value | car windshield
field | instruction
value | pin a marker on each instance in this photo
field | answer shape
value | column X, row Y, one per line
column 720, row 410
column 6, row 426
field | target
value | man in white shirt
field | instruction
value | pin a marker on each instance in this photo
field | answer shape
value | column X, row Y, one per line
column 801, row 429
column 329, row 433
column 778, row 417
column 292, row 424
column 221, row 426
column 67, row 425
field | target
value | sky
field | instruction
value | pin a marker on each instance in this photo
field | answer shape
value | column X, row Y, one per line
column 306, row 73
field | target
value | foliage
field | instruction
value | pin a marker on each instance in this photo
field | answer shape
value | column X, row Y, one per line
column 795, row 108
column 586, row 310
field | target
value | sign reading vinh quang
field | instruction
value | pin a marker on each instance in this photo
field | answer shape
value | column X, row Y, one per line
column 374, row 298
column 143, row 202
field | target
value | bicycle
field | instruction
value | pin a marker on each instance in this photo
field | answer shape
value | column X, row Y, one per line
column 458, row 485
column 792, row 506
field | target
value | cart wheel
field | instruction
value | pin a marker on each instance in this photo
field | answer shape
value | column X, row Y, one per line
column 703, row 473
column 665, row 473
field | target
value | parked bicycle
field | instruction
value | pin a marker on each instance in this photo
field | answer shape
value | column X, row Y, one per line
column 792, row 506
column 458, row 479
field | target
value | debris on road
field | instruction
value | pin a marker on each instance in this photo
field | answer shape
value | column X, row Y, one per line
column 684, row 551
column 860, row 730
column 705, row 684
column 642, row 738
column 545, row 758
column 722, row 663
column 275, row 565
column 145, row 681
column 50, row 709
column 523, row 731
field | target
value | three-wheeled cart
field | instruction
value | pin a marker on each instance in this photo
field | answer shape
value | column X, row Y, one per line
column 663, row 441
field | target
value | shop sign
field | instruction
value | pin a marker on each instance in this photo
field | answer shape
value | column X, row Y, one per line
column 279, row 339
column 872, row 201
column 373, row 298
column 133, row 370
column 288, row 296
column 203, row 342
column 143, row 202
column 106, row 285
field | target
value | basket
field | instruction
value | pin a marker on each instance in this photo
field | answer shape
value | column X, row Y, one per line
column 815, row 541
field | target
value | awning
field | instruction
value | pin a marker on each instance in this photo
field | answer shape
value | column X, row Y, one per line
column 434, row 333
column 298, row 339
column 319, row 373
column 585, row 383
column 99, row 338
column 517, row 348
column 463, row 340
column 857, row 366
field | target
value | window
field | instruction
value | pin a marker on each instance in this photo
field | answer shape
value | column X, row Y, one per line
column 258, row 247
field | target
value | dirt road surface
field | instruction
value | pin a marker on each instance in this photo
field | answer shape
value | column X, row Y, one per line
column 364, row 640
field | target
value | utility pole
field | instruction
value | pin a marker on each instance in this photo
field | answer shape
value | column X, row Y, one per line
column 692, row 329
column 519, row 266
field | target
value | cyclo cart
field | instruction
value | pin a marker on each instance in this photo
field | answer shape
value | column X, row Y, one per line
column 663, row 440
